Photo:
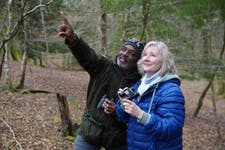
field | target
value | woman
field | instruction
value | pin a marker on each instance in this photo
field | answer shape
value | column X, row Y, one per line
column 156, row 117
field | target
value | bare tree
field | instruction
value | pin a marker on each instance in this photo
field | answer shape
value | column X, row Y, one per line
column 25, row 54
column 211, row 80
column 11, row 31
column 6, row 66
column 146, row 8
column 45, row 33
column 104, row 33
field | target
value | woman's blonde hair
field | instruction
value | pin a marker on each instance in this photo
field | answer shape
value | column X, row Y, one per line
column 167, row 60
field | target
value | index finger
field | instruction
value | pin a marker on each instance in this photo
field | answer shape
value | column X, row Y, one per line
column 65, row 20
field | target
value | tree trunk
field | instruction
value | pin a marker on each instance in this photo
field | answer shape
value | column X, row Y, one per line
column 2, row 61
column 45, row 34
column 207, row 37
column 145, row 13
column 6, row 65
column 67, row 126
column 24, row 61
column 219, row 136
column 206, row 53
column 200, row 101
column 104, row 33
column 223, row 48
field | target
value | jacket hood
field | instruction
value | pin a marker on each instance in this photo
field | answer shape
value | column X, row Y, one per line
column 169, row 76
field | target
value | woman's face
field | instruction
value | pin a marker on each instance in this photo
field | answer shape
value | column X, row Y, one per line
column 151, row 60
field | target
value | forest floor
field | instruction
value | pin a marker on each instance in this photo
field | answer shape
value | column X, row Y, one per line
column 33, row 120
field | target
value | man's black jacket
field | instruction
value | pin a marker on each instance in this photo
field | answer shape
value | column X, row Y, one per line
column 106, row 77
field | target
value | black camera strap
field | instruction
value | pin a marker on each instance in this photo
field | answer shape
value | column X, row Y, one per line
column 153, row 95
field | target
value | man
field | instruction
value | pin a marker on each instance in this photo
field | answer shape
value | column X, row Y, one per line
column 100, row 126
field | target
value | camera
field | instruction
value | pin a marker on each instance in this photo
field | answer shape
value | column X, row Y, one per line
column 102, row 100
column 129, row 94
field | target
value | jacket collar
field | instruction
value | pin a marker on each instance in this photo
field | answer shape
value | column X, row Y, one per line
column 169, row 77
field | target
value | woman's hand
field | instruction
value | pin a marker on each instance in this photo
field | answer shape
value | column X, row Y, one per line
column 131, row 108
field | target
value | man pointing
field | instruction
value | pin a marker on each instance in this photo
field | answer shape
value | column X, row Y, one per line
column 100, row 126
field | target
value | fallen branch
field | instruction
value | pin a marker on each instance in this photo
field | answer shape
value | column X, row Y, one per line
column 11, row 130
column 25, row 91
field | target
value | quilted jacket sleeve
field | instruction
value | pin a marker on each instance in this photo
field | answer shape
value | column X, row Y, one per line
column 121, row 114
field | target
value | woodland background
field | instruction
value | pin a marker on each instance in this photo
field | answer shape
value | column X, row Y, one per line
column 35, row 63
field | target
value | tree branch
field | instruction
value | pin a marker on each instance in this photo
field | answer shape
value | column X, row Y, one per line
column 19, row 22
column 223, row 48
column 36, row 7
column 169, row 3
column 11, row 130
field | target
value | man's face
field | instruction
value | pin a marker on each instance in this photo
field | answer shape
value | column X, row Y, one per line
column 127, row 58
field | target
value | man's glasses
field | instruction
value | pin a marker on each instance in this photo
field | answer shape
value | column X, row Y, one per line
column 130, row 52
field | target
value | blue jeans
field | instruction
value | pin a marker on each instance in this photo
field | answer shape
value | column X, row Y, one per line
column 81, row 144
